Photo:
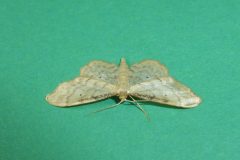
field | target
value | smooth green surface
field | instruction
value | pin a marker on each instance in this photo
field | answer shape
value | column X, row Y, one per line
column 43, row 43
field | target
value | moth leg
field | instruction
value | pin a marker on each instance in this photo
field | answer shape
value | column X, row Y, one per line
column 139, row 107
column 115, row 105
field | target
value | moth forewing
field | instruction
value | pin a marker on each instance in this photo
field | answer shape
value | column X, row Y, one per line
column 165, row 91
column 81, row 90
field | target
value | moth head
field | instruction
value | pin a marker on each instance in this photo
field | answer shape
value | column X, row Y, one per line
column 122, row 96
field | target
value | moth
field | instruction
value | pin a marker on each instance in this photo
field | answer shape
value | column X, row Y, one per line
column 148, row 80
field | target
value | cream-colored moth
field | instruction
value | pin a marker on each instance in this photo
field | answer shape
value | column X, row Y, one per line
column 148, row 80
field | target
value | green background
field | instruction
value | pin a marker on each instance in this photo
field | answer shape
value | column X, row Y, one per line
column 43, row 43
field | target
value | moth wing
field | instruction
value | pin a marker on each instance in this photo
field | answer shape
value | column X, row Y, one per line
column 100, row 70
column 79, row 91
column 147, row 70
column 165, row 90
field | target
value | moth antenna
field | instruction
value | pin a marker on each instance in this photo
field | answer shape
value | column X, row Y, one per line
column 103, row 109
column 139, row 107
